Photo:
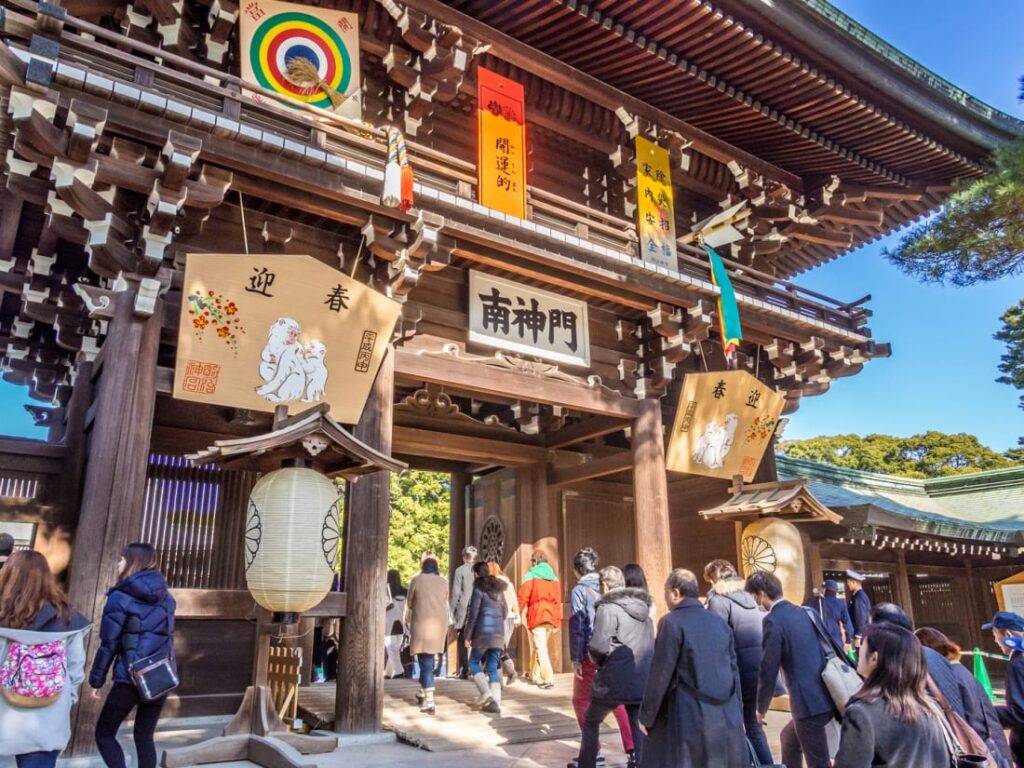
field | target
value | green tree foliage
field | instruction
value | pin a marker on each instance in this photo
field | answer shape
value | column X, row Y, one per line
column 420, row 508
column 1012, row 362
column 979, row 233
column 932, row 454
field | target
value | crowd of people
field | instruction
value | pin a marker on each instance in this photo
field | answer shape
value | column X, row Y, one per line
column 43, row 658
column 694, row 692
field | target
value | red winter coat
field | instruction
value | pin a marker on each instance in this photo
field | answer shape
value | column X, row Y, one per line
column 540, row 597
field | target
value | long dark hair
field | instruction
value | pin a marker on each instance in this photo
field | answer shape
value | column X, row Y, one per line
column 634, row 576
column 901, row 673
column 139, row 557
column 26, row 585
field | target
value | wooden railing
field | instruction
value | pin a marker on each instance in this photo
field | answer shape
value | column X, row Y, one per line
column 225, row 95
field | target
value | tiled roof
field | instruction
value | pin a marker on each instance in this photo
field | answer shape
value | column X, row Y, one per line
column 978, row 506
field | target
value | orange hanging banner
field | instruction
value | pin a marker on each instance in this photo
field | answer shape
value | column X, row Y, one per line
column 501, row 159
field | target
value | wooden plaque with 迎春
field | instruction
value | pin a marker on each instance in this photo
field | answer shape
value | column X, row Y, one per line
column 260, row 331
column 724, row 422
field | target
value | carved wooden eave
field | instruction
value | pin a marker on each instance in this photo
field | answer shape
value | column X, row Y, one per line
column 130, row 165
column 432, row 66
column 343, row 187
column 311, row 436
column 788, row 499
column 432, row 409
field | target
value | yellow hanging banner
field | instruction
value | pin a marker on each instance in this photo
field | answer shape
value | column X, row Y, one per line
column 656, row 218
column 501, row 169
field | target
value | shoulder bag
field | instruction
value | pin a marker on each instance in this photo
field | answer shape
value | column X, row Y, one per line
column 154, row 676
column 967, row 749
column 840, row 679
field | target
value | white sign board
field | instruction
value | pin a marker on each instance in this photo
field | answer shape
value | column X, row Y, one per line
column 1013, row 598
column 527, row 320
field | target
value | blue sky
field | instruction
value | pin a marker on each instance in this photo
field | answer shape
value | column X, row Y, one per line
column 941, row 375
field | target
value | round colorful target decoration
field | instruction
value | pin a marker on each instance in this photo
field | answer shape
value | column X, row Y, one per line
column 284, row 34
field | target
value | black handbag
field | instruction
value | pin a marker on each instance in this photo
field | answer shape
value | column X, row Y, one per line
column 754, row 762
column 154, row 676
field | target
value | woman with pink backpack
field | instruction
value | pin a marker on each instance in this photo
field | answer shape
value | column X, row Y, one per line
column 42, row 661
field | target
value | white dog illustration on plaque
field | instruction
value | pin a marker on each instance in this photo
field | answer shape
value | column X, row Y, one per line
column 290, row 369
column 716, row 442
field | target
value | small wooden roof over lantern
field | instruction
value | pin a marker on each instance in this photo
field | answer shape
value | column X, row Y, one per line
column 787, row 499
column 312, row 438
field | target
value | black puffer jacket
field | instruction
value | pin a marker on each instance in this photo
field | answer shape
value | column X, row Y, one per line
column 736, row 606
column 138, row 621
column 485, row 623
column 622, row 645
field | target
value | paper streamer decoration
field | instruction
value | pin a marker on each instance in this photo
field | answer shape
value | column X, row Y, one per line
column 728, row 308
column 273, row 32
column 655, row 209
column 398, row 175
column 774, row 546
column 501, row 162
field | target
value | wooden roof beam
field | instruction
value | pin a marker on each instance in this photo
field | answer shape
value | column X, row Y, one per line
column 573, row 80
column 590, row 470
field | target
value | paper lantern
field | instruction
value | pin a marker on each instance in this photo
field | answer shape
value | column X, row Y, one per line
column 291, row 540
column 774, row 545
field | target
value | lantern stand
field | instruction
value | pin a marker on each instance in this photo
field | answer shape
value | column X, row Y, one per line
column 314, row 442
column 754, row 505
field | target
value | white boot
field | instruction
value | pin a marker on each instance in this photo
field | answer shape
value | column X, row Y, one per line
column 486, row 693
column 427, row 705
column 508, row 667
column 494, row 706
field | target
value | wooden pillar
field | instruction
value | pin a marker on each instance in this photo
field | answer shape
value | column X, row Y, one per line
column 815, row 571
column 457, row 532
column 359, row 703
column 903, row 597
column 974, row 619
column 650, row 500
column 537, row 507
column 115, row 475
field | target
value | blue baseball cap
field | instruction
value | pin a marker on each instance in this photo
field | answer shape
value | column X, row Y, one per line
column 831, row 585
column 1006, row 620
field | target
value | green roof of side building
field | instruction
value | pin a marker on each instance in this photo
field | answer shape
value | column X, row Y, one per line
column 981, row 506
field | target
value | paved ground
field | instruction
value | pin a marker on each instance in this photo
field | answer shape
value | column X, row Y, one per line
column 541, row 754
column 528, row 714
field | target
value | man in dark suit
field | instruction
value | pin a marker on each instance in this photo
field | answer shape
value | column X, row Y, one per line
column 834, row 614
column 860, row 604
column 791, row 643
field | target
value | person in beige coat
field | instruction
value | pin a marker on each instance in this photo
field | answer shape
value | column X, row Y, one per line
column 426, row 615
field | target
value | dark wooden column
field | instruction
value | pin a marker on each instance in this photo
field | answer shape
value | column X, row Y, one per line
column 457, row 532
column 901, row 583
column 115, row 474
column 457, row 520
column 650, row 499
column 538, row 504
column 359, row 704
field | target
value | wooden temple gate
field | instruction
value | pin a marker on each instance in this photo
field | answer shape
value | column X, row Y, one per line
column 129, row 144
